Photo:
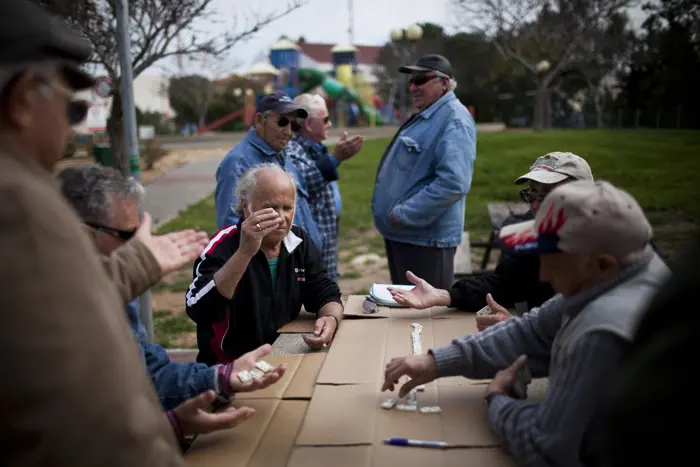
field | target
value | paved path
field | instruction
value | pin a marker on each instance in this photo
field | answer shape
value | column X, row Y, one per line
column 174, row 191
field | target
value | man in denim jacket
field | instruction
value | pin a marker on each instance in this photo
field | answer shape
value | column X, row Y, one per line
column 266, row 141
column 424, row 176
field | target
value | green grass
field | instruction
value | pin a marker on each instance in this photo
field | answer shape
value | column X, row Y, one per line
column 660, row 168
column 167, row 326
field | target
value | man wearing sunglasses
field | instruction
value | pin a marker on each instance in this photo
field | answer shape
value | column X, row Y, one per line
column 516, row 278
column 266, row 141
column 424, row 176
column 74, row 391
column 319, row 171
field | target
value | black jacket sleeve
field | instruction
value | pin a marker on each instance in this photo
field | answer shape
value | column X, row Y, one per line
column 319, row 288
column 204, row 303
column 516, row 279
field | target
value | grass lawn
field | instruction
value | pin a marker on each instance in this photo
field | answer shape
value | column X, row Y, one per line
column 660, row 168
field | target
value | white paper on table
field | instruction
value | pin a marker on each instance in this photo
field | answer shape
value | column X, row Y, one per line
column 381, row 294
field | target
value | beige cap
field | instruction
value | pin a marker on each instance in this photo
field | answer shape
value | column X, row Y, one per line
column 556, row 167
column 582, row 217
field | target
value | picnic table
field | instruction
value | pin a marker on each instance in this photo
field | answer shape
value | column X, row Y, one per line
column 326, row 410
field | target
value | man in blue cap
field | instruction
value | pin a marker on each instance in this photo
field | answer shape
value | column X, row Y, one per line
column 265, row 142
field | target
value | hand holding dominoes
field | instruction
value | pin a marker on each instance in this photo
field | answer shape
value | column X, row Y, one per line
column 491, row 314
column 421, row 369
column 251, row 373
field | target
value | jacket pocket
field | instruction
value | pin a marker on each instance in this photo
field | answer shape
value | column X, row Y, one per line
column 407, row 153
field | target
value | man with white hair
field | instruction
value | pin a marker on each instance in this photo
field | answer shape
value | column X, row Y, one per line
column 254, row 276
column 424, row 176
column 318, row 170
column 594, row 245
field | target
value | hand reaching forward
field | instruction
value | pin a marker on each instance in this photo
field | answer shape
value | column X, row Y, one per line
column 173, row 250
column 422, row 296
column 195, row 420
column 247, row 362
column 421, row 369
column 504, row 381
column 256, row 227
column 498, row 314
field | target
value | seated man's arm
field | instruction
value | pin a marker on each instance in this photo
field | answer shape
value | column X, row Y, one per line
column 321, row 293
column 217, row 272
column 177, row 382
column 132, row 268
column 551, row 433
column 481, row 355
column 506, row 285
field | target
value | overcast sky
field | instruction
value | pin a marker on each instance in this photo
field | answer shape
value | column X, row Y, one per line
column 326, row 21
column 323, row 21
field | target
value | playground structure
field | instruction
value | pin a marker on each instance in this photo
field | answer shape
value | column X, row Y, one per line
column 349, row 94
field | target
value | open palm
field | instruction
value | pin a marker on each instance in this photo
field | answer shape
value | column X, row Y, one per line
column 423, row 295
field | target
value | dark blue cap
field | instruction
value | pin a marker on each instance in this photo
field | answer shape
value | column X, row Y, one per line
column 282, row 104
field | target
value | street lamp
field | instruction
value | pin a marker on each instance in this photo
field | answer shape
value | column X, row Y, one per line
column 400, row 39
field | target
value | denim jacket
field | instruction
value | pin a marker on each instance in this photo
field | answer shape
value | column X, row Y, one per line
column 174, row 382
column 253, row 150
column 424, row 177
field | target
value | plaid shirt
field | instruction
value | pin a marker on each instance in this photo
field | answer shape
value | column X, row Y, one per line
column 307, row 155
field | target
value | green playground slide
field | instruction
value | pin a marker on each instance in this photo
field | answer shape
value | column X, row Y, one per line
column 309, row 78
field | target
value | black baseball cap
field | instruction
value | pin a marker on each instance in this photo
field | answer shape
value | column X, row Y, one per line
column 430, row 62
column 280, row 103
column 30, row 34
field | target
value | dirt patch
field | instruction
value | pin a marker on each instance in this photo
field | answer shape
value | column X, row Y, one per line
column 171, row 302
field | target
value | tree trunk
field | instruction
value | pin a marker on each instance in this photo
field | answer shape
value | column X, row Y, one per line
column 539, row 120
column 115, row 129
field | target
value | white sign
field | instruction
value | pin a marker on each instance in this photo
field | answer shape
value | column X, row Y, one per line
column 147, row 132
column 103, row 88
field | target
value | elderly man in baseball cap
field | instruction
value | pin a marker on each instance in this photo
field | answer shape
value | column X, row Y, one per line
column 593, row 241
column 515, row 280
column 266, row 141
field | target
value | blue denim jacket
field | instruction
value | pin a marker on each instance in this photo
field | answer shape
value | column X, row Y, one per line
column 174, row 382
column 425, row 175
column 253, row 150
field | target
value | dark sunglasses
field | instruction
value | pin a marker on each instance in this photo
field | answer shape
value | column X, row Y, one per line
column 77, row 111
column 529, row 197
column 420, row 80
column 125, row 235
column 283, row 122
column 326, row 119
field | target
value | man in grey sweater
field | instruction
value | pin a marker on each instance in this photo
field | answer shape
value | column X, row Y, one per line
column 593, row 242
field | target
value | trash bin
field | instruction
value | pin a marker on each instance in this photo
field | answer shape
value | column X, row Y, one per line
column 102, row 153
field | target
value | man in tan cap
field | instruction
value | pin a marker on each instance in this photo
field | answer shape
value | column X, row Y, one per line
column 515, row 279
column 593, row 241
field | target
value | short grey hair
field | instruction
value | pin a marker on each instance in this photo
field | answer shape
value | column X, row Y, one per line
column 247, row 183
column 311, row 102
column 93, row 190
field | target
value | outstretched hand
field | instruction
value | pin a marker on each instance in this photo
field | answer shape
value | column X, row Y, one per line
column 422, row 296
column 246, row 363
column 195, row 420
column 173, row 250
column 421, row 369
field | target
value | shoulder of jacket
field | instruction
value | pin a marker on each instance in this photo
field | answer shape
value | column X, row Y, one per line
column 225, row 238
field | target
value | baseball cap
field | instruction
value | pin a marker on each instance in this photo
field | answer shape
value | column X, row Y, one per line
column 29, row 34
column 582, row 217
column 282, row 104
column 556, row 167
column 430, row 62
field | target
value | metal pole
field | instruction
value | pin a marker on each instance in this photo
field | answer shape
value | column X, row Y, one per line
column 131, row 140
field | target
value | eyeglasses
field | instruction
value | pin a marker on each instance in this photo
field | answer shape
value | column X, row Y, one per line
column 529, row 197
column 124, row 235
column 420, row 80
column 369, row 306
column 77, row 108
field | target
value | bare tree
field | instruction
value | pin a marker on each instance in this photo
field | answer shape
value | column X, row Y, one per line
column 547, row 37
column 159, row 29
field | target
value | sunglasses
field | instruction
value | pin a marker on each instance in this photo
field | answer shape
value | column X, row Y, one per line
column 283, row 121
column 420, row 80
column 124, row 235
column 77, row 111
column 529, row 197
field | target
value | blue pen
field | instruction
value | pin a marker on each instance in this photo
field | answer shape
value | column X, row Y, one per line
column 415, row 442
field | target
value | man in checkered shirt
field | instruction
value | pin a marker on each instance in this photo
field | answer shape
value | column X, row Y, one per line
column 318, row 168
